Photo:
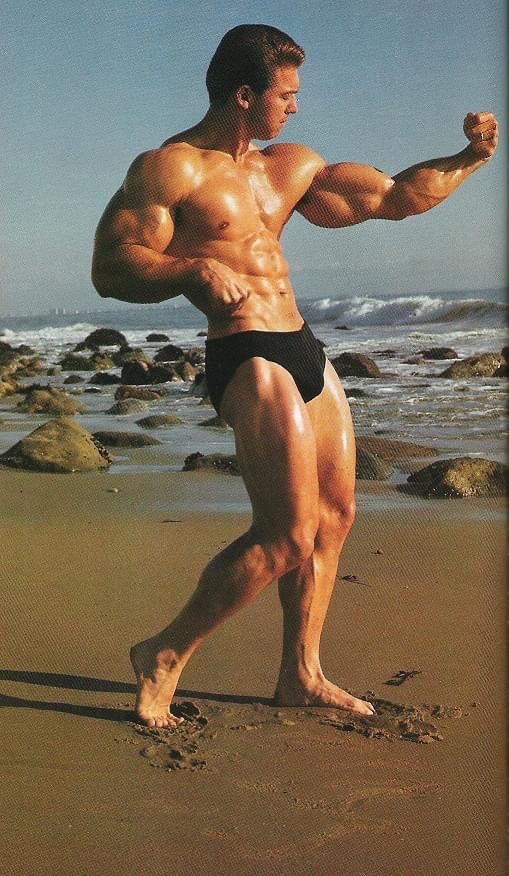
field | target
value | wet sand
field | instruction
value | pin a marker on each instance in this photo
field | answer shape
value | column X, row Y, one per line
column 242, row 787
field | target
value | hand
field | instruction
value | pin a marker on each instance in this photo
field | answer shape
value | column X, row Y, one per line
column 224, row 288
column 482, row 131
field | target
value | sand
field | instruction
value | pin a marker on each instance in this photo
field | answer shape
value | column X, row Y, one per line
column 244, row 787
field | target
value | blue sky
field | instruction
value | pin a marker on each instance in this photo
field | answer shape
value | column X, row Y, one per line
column 87, row 86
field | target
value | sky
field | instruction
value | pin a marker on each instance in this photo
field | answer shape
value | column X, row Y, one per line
column 86, row 86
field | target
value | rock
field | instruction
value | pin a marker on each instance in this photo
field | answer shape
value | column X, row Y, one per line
column 101, row 361
column 195, row 356
column 74, row 378
column 439, row 353
column 127, row 406
column 58, row 446
column 157, row 338
column 355, row 365
column 72, row 362
column 104, row 378
column 8, row 386
column 140, row 392
column 155, row 421
column 460, row 478
column 49, row 400
column 130, row 354
column 170, row 353
column 212, row 462
column 106, row 337
column 7, row 353
column 135, row 373
column 485, row 365
column 202, row 334
column 199, row 388
column 164, row 374
column 215, row 423
column 186, row 370
column 390, row 451
column 370, row 467
column 125, row 439
column 343, row 328
column 92, row 348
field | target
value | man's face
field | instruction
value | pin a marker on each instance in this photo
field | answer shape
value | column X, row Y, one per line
column 270, row 109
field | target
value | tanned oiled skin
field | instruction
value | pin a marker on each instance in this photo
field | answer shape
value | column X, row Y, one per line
column 202, row 216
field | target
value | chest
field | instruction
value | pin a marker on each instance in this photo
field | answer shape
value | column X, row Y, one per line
column 231, row 201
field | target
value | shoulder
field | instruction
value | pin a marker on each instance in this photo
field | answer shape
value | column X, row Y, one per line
column 164, row 174
column 296, row 156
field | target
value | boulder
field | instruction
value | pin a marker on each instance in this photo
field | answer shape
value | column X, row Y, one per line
column 170, row 353
column 106, row 337
column 439, row 353
column 135, row 373
column 49, row 400
column 355, row 365
column 484, row 365
column 460, row 478
column 125, row 439
column 104, row 378
column 73, row 362
column 157, row 338
column 74, row 378
column 8, row 386
column 92, row 348
column 164, row 374
column 186, row 370
column 353, row 392
column 390, row 451
column 156, row 421
column 215, row 423
column 219, row 462
column 130, row 354
column 58, row 446
column 199, row 388
column 127, row 406
column 101, row 361
column 369, row 467
column 140, row 392
column 195, row 356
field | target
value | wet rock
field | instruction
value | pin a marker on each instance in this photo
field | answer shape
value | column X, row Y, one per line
column 202, row 334
column 439, row 353
column 73, row 362
column 369, row 467
column 127, row 406
column 58, row 446
column 125, row 439
column 460, row 478
column 390, row 451
column 135, row 373
column 215, row 423
column 7, row 353
column 140, row 392
column 101, row 361
column 199, row 388
column 195, row 356
column 165, row 374
column 74, row 378
column 104, row 378
column 155, row 421
column 156, row 338
column 106, row 337
column 8, row 386
column 82, row 345
column 170, row 353
column 343, row 328
column 49, row 400
column 355, row 365
column 353, row 392
column 485, row 365
column 186, row 370
column 130, row 354
column 219, row 462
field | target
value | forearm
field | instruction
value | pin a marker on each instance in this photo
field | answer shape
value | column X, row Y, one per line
column 423, row 186
column 134, row 273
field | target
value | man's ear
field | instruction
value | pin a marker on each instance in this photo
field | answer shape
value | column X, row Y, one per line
column 244, row 96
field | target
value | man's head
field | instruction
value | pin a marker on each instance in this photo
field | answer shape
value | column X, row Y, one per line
column 249, row 55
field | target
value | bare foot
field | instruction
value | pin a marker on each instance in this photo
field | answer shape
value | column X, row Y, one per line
column 321, row 693
column 157, row 678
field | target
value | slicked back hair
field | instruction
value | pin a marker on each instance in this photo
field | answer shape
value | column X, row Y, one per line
column 248, row 55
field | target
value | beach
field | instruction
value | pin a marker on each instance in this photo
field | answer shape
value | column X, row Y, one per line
column 93, row 561
column 87, row 571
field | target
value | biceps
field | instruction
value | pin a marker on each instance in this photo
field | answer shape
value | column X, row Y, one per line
column 346, row 194
column 150, row 225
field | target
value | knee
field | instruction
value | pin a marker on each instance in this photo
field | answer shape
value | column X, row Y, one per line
column 338, row 519
column 292, row 547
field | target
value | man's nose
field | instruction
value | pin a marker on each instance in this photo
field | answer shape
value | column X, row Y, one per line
column 293, row 106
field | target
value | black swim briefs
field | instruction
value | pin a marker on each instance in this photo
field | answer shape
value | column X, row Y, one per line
column 299, row 352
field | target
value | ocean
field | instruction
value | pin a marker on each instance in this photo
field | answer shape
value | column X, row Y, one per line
column 411, row 402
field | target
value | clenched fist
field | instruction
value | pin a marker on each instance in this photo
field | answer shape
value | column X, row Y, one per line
column 482, row 131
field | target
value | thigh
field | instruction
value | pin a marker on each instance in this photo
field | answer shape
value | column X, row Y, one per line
column 275, row 443
column 335, row 442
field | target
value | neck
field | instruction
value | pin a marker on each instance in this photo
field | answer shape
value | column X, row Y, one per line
column 222, row 130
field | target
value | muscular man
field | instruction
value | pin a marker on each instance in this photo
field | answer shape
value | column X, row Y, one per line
column 202, row 216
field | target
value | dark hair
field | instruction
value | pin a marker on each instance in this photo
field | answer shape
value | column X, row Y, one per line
column 248, row 55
